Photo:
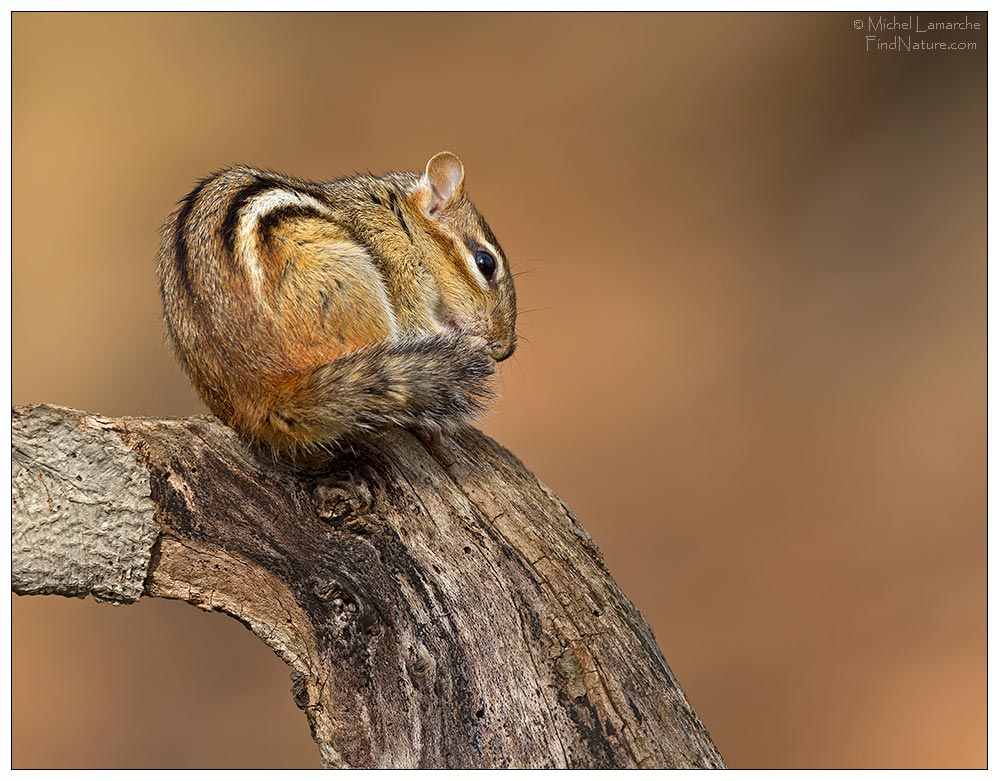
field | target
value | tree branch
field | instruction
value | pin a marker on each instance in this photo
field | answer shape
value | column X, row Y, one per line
column 437, row 604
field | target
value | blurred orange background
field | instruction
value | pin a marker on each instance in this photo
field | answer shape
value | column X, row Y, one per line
column 755, row 354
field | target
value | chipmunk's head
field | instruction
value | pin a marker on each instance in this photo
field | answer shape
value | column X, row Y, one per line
column 471, row 271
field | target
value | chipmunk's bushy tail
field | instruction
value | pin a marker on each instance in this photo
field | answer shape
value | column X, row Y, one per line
column 433, row 381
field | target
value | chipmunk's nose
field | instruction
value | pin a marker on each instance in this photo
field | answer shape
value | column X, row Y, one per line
column 502, row 350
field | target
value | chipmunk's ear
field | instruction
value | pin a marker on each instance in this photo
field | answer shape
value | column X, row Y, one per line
column 442, row 181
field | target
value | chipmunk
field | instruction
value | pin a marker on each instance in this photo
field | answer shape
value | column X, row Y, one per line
column 307, row 314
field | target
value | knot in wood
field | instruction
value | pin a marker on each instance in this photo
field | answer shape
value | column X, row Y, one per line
column 330, row 591
column 338, row 503
column 420, row 664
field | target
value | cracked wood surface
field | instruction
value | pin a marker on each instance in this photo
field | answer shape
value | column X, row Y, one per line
column 438, row 606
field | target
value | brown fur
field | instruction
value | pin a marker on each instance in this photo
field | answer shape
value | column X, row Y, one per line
column 307, row 314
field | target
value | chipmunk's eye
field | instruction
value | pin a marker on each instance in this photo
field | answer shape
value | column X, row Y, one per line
column 486, row 263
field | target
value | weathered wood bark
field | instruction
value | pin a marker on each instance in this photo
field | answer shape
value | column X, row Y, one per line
column 438, row 606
